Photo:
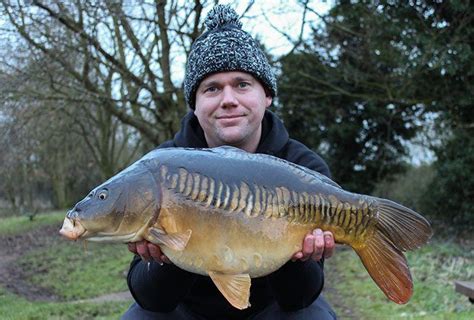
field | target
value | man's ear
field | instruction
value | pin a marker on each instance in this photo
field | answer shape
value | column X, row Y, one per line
column 269, row 100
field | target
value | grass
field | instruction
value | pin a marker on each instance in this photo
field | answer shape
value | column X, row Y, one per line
column 434, row 268
column 70, row 272
column 66, row 270
column 14, row 307
column 17, row 224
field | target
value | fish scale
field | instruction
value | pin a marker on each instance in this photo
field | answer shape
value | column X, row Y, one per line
column 233, row 216
column 296, row 207
column 254, row 201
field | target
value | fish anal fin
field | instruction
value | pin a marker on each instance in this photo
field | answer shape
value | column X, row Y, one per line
column 388, row 267
column 234, row 287
column 176, row 241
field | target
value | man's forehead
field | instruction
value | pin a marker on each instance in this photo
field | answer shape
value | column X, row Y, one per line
column 228, row 75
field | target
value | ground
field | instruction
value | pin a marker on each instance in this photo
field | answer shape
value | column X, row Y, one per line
column 12, row 278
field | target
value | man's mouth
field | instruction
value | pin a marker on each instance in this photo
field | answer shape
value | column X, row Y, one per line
column 230, row 116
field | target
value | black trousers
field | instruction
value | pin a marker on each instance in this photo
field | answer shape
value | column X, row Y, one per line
column 319, row 310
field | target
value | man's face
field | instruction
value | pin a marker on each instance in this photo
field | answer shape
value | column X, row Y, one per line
column 230, row 108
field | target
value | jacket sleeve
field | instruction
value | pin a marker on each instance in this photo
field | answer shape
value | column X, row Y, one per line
column 297, row 284
column 158, row 288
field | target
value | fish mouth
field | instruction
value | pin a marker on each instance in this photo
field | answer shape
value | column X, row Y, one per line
column 72, row 229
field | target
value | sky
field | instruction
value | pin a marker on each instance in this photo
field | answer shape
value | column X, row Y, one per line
column 285, row 15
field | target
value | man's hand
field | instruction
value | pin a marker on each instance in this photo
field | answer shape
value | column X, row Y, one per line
column 316, row 245
column 148, row 251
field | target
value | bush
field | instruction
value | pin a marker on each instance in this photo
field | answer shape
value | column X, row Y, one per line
column 450, row 196
column 408, row 188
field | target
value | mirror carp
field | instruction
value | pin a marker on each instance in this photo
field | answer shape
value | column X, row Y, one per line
column 233, row 216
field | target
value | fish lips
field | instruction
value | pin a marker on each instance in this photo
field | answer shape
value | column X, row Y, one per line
column 72, row 228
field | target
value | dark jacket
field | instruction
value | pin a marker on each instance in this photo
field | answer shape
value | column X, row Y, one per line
column 294, row 286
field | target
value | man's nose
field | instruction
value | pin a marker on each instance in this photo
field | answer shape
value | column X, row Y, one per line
column 228, row 97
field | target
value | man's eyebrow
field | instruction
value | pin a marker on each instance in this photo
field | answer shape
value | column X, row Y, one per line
column 208, row 83
column 243, row 78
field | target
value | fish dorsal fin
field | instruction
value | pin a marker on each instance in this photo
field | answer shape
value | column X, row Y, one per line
column 304, row 173
column 234, row 287
column 176, row 241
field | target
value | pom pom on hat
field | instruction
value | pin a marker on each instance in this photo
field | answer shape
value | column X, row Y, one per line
column 225, row 47
column 222, row 15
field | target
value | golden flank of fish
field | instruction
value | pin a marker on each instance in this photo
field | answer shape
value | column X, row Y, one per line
column 234, row 216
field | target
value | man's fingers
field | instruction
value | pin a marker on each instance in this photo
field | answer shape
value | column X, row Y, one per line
column 155, row 252
column 329, row 244
column 142, row 251
column 297, row 256
column 318, row 244
column 165, row 259
column 308, row 247
column 132, row 247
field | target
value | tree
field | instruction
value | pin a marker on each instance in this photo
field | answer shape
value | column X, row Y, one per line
column 363, row 85
column 450, row 195
column 42, row 163
column 122, row 55
column 96, row 82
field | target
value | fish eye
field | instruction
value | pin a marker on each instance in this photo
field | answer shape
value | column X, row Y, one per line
column 102, row 195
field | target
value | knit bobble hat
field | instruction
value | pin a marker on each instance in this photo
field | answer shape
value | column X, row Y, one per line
column 225, row 47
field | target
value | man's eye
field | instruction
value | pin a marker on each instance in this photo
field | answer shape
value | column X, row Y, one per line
column 210, row 89
column 243, row 84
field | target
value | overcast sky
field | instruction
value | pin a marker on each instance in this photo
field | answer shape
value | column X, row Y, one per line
column 285, row 15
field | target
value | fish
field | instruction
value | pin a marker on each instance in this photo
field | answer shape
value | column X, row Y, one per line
column 233, row 216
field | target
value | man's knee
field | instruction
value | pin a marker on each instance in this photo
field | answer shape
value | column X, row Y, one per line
column 322, row 308
column 318, row 310
column 137, row 312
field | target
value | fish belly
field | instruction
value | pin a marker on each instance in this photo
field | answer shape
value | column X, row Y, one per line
column 230, row 243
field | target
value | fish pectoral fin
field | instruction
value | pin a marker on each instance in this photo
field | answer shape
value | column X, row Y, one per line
column 234, row 287
column 176, row 241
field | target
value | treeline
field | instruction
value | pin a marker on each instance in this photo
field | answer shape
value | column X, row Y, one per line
column 374, row 78
column 87, row 87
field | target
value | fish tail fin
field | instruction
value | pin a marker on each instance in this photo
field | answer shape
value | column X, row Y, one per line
column 388, row 268
column 404, row 227
column 398, row 229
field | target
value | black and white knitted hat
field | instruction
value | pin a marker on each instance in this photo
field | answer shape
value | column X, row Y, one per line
column 225, row 47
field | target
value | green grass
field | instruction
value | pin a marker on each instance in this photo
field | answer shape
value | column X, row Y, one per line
column 71, row 272
column 14, row 307
column 67, row 270
column 434, row 268
column 18, row 224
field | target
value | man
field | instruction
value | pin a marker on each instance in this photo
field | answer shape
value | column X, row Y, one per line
column 229, row 85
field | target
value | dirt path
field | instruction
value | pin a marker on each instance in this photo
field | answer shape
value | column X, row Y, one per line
column 119, row 296
column 13, row 278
